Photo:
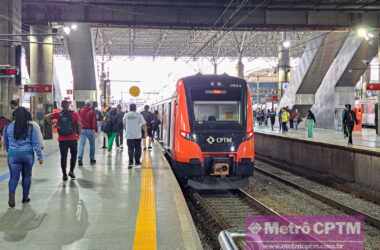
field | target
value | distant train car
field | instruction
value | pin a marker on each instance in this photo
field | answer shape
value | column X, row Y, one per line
column 207, row 131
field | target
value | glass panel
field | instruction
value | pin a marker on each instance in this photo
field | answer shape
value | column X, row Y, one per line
column 217, row 111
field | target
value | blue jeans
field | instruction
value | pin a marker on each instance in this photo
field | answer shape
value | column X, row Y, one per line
column 20, row 165
column 90, row 135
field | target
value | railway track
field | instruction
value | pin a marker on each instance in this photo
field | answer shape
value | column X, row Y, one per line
column 228, row 210
column 368, row 218
column 215, row 212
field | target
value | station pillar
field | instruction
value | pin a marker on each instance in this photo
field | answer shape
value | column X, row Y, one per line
column 82, row 56
column 283, row 69
column 240, row 68
column 377, row 105
column 10, row 16
column 41, row 72
column 215, row 68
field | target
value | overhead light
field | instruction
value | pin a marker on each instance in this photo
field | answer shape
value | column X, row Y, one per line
column 370, row 35
column 286, row 44
column 67, row 30
column 362, row 32
column 74, row 26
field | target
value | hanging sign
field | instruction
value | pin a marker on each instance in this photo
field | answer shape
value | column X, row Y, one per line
column 134, row 91
column 38, row 88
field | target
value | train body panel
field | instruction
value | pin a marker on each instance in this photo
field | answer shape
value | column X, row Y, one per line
column 207, row 130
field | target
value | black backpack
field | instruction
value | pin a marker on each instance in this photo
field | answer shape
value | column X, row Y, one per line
column 65, row 123
column 148, row 117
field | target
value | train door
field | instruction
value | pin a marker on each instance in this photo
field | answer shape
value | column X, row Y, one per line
column 165, row 125
column 162, row 110
column 173, row 112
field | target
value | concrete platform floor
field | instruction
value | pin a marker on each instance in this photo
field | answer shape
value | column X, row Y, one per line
column 365, row 139
column 108, row 207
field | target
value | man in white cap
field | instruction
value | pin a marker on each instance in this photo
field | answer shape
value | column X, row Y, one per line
column 87, row 117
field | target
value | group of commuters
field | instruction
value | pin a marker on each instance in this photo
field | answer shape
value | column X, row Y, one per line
column 293, row 118
column 23, row 141
column 285, row 117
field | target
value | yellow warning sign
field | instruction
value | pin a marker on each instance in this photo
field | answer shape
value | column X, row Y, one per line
column 134, row 91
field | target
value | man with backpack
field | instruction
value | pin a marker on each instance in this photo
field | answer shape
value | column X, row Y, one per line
column 111, row 127
column 349, row 120
column 68, row 134
column 89, row 129
column 149, row 119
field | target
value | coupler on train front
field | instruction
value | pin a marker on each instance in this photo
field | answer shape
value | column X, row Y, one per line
column 217, row 173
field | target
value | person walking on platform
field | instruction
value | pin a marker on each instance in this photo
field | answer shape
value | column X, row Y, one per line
column 350, row 120
column 272, row 116
column 120, row 127
column 148, row 117
column 296, row 118
column 344, row 124
column 111, row 127
column 68, row 127
column 103, row 123
column 310, row 124
column 156, row 125
column 291, row 119
column 21, row 141
column 88, row 132
column 134, row 123
column 99, row 118
column 284, row 120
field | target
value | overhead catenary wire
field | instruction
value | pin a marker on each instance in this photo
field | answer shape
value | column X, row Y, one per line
column 223, row 32
column 232, row 15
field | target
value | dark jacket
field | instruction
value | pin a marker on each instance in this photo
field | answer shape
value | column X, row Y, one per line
column 349, row 118
column 119, row 118
column 112, row 121
column 311, row 116
column 148, row 117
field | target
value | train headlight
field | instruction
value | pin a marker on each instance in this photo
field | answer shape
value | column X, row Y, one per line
column 249, row 135
column 188, row 136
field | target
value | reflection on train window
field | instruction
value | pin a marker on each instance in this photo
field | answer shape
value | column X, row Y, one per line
column 215, row 111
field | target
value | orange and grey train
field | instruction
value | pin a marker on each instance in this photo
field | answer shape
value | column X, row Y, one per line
column 207, row 131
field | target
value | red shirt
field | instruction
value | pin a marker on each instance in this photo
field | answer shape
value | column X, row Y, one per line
column 88, row 118
column 72, row 137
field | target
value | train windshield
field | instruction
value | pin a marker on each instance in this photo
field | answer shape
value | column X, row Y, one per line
column 217, row 111
column 217, row 108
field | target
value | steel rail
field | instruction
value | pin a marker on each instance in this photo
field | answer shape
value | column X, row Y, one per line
column 367, row 218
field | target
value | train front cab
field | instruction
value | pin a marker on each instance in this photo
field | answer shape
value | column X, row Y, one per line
column 213, row 145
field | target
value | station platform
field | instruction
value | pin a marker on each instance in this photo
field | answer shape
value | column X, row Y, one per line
column 326, row 157
column 108, row 206
column 365, row 139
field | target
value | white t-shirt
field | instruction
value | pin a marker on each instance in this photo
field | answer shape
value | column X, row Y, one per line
column 133, row 123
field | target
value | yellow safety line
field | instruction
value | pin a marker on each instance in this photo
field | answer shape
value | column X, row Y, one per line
column 145, row 229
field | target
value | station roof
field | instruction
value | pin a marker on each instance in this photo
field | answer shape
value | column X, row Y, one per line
column 205, row 14
column 193, row 44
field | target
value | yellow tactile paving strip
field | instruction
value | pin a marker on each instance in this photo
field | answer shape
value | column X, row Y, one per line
column 146, row 228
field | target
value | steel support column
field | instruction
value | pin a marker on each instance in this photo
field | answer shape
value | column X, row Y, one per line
column 81, row 50
column 10, row 23
column 41, row 53
column 283, row 67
